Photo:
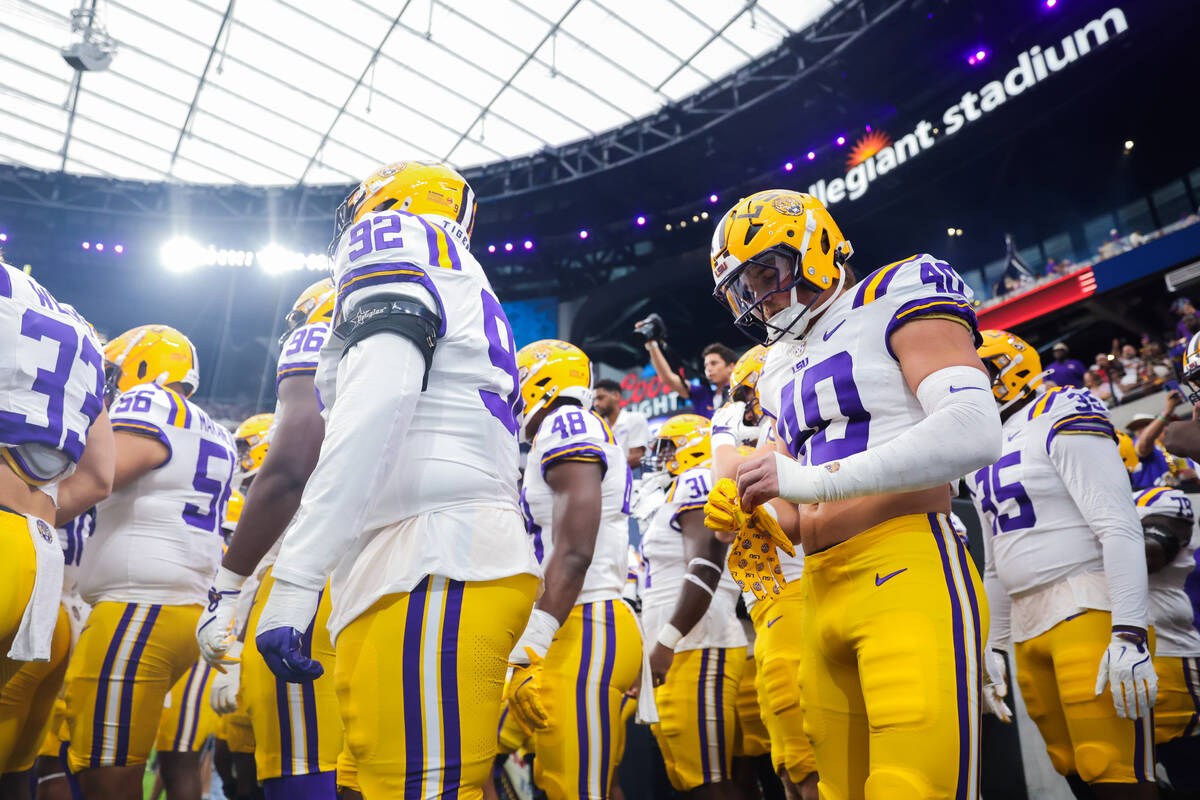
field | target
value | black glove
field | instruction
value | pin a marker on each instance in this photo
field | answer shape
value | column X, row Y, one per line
column 651, row 329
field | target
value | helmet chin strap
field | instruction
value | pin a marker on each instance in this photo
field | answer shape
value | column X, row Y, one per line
column 785, row 319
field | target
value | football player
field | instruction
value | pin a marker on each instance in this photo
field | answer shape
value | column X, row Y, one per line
column 778, row 638
column 1066, row 575
column 297, row 731
column 581, row 649
column 883, row 401
column 697, row 649
column 155, row 549
column 414, row 496
column 1168, row 524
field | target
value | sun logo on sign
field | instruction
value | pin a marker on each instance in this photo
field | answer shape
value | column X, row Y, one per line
column 868, row 145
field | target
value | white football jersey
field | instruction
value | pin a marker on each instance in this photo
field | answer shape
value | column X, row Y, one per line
column 51, row 381
column 1170, row 607
column 300, row 350
column 663, row 556
column 1035, row 533
column 571, row 433
column 74, row 537
column 158, row 540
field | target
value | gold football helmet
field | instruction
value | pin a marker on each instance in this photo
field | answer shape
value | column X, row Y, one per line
column 549, row 369
column 151, row 354
column 767, row 231
column 682, row 443
column 233, row 511
column 315, row 304
column 418, row 187
column 1015, row 367
column 1127, row 450
column 1191, row 369
column 252, row 438
column 743, row 381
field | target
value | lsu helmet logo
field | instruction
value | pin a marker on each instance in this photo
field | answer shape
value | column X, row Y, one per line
column 788, row 205
column 45, row 531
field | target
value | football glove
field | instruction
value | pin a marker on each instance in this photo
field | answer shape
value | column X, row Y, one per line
column 523, row 694
column 995, row 686
column 1128, row 669
column 753, row 557
column 281, row 649
column 214, row 629
column 223, row 695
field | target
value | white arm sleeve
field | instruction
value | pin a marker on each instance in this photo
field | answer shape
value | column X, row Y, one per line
column 1096, row 479
column 960, row 433
column 379, row 382
column 999, row 603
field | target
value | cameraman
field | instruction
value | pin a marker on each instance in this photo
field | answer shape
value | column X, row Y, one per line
column 706, row 395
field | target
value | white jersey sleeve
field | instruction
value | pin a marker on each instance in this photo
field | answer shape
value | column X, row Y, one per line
column 51, row 380
column 1170, row 607
column 158, row 540
column 300, row 350
column 571, row 433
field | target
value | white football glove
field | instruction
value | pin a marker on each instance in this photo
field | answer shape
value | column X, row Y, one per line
column 214, row 629
column 995, row 686
column 223, row 695
column 1128, row 669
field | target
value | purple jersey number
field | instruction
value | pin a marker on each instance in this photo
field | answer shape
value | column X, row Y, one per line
column 573, row 419
column 993, row 492
column 216, row 488
column 812, row 436
column 502, row 352
column 942, row 277
column 307, row 339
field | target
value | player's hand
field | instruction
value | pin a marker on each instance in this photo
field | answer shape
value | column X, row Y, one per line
column 523, row 694
column 722, row 513
column 223, row 695
column 214, row 629
column 1127, row 668
column 757, row 481
column 282, row 650
column 660, row 663
column 1174, row 400
column 754, row 557
column 995, row 686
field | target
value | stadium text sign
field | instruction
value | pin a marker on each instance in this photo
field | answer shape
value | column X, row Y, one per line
column 876, row 155
column 649, row 397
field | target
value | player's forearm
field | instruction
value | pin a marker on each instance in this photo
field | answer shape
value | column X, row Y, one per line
column 271, row 503
column 1000, row 608
column 564, row 575
column 1145, row 441
column 692, row 603
column 379, row 384
column 92, row 480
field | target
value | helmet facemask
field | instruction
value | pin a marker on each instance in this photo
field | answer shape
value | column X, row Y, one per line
column 662, row 454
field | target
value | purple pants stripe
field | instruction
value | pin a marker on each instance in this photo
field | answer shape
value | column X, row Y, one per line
column 451, row 735
column 105, row 684
column 125, row 715
column 719, row 707
column 976, row 629
column 702, row 716
column 963, row 790
column 410, row 681
column 196, row 706
column 610, row 657
column 178, row 745
column 308, row 702
column 284, row 709
column 581, row 720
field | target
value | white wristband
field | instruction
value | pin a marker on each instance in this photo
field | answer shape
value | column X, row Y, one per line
column 539, row 633
column 228, row 580
column 704, row 562
column 693, row 579
column 669, row 637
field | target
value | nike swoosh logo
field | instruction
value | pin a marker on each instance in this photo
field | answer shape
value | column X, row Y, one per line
column 832, row 331
column 881, row 581
column 1012, row 436
column 772, row 622
column 954, row 389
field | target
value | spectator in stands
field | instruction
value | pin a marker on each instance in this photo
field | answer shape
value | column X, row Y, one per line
column 706, row 394
column 1051, row 267
column 1132, row 367
column 1112, row 374
column 1099, row 386
column 1183, row 308
column 1153, row 466
column 630, row 427
column 1156, row 362
column 1064, row 370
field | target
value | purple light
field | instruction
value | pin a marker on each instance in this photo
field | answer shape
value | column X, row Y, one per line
column 3, row 237
column 491, row 248
column 978, row 57
column 811, row 155
column 119, row 249
column 788, row 167
column 868, row 129
column 641, row 220
column 583, row 234
column 528, row 244
column 508, row 247
column 1051, row 3
column 841, row 140
column 100, row 246
column 712, row 198
column 87, row 245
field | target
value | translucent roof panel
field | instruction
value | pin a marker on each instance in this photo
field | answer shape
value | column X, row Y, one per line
column 278, row 92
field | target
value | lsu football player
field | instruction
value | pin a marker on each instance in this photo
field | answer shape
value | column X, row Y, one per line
column 414, row 496
column 697, row 648
column 581, row 649
column 1066, row 575
column 778, row 639
column 297, row 730
column 1169, row 525
column 882, row 402
column 156, row 546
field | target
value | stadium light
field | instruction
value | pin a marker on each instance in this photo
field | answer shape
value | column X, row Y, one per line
column 179, row 254
column 583, row 234
column 119, row 249
column 100, row 247
column 1128, row 145
column 528, row 244
column 641, row 220
column 978, row 57
column 508, row 247
column 811, row 155
column 668, row 226
column 3, row 237
column 1051, row 3
column 695, row 217
column 788, row 167
column 491, row 248
column 712, row 198
column 841, row 140
column 683, row 223
column 958, row 231
column 86, row 245
column 703, row 215
column 949, row 231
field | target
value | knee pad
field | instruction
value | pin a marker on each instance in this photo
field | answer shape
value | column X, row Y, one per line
column 1180, row 758
column 1093, row 760
column 781, row 682
column 897, row 784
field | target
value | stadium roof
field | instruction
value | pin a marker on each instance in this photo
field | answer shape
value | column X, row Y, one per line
column 274, row 92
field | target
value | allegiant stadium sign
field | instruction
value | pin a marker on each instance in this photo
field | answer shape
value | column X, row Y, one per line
column 876, row 154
